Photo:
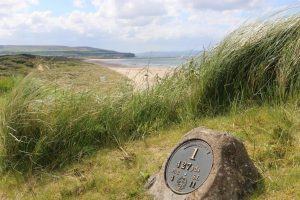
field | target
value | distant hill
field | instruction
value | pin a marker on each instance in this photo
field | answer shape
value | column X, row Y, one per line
column 65, row 51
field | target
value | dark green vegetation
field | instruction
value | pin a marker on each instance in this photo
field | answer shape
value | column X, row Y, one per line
column 73, row 52
column 248, row 85
column 15, row 65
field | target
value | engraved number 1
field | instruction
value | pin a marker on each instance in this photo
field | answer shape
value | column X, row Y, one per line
column 194, row 154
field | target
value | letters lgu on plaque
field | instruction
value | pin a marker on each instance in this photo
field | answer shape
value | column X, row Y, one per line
column 188, row 166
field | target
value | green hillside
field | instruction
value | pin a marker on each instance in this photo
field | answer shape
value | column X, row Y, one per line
column 65, row 51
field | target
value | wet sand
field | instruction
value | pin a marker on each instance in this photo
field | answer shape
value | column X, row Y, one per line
column 142, row 77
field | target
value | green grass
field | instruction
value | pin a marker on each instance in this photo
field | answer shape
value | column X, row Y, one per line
column 8, row 83
column 257, row 63
column 61, row 101
column 120, row 173
column 247, row 85
column 248, row 68
column 57, row 90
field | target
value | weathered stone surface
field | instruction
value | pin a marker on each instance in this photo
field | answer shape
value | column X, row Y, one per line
column 232, row 176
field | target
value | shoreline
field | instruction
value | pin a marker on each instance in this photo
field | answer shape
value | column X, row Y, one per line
column 142, row 77
column 116, row 64
column 101, row 62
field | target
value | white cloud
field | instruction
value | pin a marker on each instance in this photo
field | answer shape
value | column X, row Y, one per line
column 39, row 22
column 148, row 20
column 9, row 7
column 79, row 3
column 170, row 19
column 131, row 20
column 220, row 5
column 129, row 9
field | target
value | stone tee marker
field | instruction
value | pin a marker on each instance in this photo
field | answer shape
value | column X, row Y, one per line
column 205, row 165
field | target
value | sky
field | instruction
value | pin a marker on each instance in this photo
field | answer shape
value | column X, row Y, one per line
column 128, row 25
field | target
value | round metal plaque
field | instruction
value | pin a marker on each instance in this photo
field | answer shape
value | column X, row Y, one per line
column 188, row 166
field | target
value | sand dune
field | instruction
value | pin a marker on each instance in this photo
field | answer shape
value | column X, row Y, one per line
column 142, row 77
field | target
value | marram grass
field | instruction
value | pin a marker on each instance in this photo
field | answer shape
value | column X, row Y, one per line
column 255, row 63
column 47, row 127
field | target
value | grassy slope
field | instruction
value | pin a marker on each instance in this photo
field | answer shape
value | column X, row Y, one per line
column 81, row 76
column 121, row 173
column 220, row 92
column 65, row 73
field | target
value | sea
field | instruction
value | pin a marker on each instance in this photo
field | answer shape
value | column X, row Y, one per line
column 149, row 61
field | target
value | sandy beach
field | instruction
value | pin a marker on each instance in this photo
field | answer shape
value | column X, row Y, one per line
column 142, row 77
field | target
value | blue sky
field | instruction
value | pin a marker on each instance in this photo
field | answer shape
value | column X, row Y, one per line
column 62, row 7
column 128, row 25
